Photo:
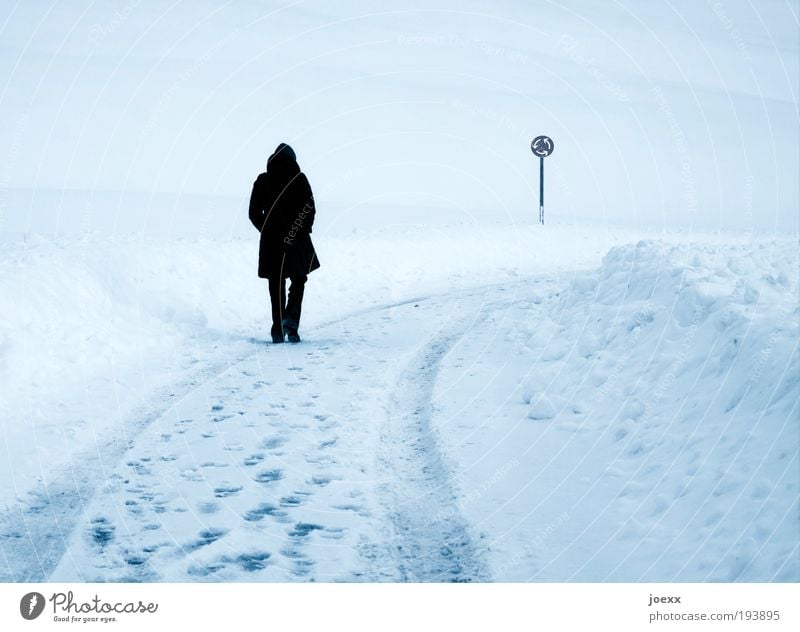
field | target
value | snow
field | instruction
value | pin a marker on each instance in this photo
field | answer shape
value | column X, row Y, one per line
column 634, row 421
column 610, row 397
column 91, row 326
column 659, row 439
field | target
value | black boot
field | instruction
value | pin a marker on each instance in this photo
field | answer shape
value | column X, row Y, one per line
column 290, row 327
column 277, row 334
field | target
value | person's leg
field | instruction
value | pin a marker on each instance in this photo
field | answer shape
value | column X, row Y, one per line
column 291, row 321
column 277, row 295
column 295, row 303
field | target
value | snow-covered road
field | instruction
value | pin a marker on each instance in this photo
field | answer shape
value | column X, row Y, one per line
column 636, row 422
column 316, row 462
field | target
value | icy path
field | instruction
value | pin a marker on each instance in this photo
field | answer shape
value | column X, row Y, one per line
column 296, row 463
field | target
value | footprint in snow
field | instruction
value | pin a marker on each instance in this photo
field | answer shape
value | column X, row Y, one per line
column 332, row 533
column 250, row 562
column 316, row 458
column 268, row 476
column 292, row 501
column 204, row 570
column 302, row 529
column 302, row 567
column 101, row 531
column 358, row 509
column 637, row 449
column 133, row 507
column 293, row 553
column 206, row 537
column 134, row 559
column 271, row 443
column 264, row 509
column 192, row 475
column 253, row 459
column 139, row 468
column 225, row 491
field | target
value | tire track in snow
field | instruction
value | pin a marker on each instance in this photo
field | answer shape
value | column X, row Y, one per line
column 431, row 537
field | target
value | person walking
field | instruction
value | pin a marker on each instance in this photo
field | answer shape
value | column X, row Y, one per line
column 282, row 209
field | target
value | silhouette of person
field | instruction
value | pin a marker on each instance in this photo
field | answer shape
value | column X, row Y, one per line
column 282, row 209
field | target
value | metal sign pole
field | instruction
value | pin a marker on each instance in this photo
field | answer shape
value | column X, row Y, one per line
column 541, row 190
column 542, row 146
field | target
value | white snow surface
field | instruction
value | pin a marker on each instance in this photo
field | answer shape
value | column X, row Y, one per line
column 447, row 416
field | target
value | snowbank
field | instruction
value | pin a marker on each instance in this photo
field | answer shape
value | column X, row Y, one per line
column 637, row 422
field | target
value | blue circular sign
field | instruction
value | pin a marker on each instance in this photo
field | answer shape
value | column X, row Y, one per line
column 542, row 146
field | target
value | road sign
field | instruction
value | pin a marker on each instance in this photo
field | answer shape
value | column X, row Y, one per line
column 542, row 146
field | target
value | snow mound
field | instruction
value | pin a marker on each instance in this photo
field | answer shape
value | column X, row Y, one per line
column 685, row 361
column 542, row 408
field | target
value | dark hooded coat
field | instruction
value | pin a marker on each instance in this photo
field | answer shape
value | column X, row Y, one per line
column 282, row 209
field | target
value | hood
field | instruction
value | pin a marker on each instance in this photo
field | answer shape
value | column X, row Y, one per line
column 283, row 161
